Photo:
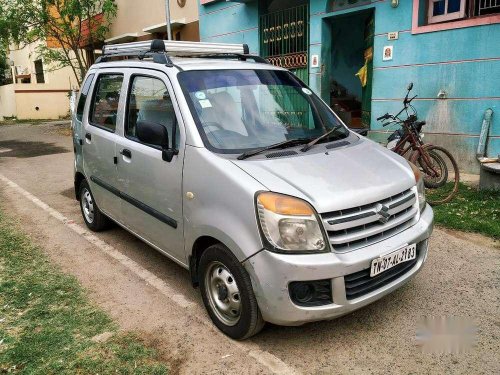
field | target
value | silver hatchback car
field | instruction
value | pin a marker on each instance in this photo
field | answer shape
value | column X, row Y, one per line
column 237, row 171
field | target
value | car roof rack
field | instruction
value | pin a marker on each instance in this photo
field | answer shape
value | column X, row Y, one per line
column 161, row 50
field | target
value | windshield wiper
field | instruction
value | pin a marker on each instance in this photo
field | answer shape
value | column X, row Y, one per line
column 287, row 143
column 321, row 137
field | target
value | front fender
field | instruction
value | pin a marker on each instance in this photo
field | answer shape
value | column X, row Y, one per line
column 221, row 203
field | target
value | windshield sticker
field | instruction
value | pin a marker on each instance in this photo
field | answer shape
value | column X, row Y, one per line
column 200, row 95
column 205, row 103
column 306, row 91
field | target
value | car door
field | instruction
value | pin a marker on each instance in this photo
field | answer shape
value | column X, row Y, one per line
column 152, row 199
column 78, row 133
column 99, row 129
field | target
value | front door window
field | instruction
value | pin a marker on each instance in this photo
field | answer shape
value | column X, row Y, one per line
column 150, row 101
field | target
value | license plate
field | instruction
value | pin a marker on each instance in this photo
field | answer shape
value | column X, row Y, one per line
column 388, row 261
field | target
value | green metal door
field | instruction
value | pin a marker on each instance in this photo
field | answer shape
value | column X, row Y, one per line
column 366, row 98
column 284, row 39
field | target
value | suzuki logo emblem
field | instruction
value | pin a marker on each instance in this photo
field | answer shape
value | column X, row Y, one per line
column 383, row 213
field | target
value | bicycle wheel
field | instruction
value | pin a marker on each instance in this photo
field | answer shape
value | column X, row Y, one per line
column 438, row 165
column 441, row 175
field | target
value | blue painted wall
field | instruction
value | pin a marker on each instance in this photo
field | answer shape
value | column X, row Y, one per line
column 228, row 22
column 464, row 62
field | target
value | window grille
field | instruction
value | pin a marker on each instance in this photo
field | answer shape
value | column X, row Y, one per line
column 449, row 10
column 483, row 7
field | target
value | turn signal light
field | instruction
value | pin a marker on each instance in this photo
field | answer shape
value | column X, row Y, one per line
column 284, row 205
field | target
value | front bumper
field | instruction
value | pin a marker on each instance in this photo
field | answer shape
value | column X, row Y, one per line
column 272, row 272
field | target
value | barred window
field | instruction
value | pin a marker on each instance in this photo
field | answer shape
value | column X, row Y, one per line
column 450, row 10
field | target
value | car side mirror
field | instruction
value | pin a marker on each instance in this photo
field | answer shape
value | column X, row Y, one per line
column 155, row 134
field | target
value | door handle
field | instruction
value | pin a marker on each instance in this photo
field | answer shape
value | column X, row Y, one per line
column 88, row 136
column 126, row 152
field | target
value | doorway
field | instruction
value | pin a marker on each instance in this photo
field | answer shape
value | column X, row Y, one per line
column 350, row 70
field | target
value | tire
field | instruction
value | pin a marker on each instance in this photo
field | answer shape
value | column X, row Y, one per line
column 227, row 293
column 441, row 191
column 95, row 220
column 439, row 164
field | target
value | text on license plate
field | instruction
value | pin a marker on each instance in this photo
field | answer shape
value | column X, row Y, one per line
column 388, row 261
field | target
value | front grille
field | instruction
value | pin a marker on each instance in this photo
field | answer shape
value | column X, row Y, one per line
column 360, row 283
column 352, row 228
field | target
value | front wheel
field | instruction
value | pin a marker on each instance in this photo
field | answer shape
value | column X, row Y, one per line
column 227, row 293
column 440, row 170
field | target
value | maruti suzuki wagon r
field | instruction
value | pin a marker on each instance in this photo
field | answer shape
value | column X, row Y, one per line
column 240, row 173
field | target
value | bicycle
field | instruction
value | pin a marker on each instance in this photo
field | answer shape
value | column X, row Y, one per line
column 439, row 168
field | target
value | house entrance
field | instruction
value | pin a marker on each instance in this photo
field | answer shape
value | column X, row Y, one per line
column 351, row 67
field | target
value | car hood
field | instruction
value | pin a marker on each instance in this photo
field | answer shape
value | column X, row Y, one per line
column 330, row 180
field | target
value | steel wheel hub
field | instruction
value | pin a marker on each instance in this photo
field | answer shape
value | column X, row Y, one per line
column 87, row 205
column 223, row 293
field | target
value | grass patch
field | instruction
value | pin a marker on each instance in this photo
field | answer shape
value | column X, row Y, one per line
column 47, row 321
column 15, row 121
column 471, row 210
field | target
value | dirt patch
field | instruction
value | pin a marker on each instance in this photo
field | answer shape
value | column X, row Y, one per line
column 27, row 149
column 63, row 129
column 166, row 352
column 476, row 238
column 183, row 335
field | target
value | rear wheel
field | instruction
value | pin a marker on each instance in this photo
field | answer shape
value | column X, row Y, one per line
column 93, row 217
column 227, row 293
column 441, row 175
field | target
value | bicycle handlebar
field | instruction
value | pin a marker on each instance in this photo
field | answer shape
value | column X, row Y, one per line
column 406, row 103
column 387, row 116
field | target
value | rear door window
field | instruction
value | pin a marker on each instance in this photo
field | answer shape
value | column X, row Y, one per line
column 104, row 110
column 83, row 97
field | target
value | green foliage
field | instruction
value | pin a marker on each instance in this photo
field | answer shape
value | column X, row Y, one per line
column 3, row 66
column 471, row 210
column 47, row 322
column 70, row 24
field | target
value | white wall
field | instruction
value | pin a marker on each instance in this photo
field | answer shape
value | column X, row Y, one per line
column 54, row 79
column 48, row 100
column 7, row 101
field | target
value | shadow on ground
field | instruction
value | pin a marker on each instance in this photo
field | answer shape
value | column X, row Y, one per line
column 27, row 149
column 69, row 193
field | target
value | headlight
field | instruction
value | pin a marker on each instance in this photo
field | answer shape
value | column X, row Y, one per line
column 420, row 185
column 289, row 224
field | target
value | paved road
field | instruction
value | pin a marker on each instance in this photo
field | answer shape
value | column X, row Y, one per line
column 148, row 293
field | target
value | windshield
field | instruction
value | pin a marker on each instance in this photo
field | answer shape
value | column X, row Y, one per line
column 241, row 110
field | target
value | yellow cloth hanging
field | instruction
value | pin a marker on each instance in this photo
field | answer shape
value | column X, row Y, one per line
column 362, row 73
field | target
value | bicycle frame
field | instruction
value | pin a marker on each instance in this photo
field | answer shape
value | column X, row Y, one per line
column 416, row 144
column 409, row 136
